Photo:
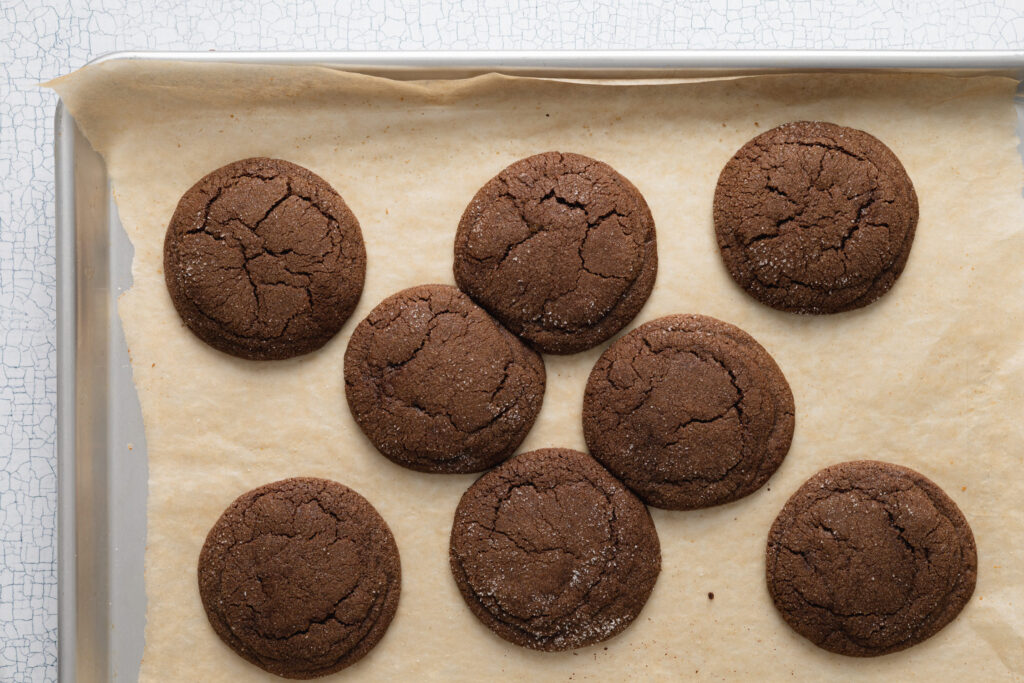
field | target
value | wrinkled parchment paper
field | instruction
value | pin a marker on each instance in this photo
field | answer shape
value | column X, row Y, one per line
column 931, row 376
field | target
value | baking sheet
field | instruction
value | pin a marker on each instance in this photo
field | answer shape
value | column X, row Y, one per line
column 929, row 377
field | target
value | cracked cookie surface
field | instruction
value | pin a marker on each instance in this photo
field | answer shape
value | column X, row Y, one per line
column 438, row 385
column 553, row 553
column 560, row 248
column 812, row 217
column 869, row 558
column 301, row 577
column 264, row 260
column 689, row 412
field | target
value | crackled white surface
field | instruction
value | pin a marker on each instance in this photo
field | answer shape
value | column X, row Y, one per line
column 42, row 39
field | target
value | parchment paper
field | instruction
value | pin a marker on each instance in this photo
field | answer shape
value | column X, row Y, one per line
column 931, row 376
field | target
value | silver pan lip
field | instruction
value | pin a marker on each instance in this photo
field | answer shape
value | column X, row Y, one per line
column 713, row 60
column 66, row 358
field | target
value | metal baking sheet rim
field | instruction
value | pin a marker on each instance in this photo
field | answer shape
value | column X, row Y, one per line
column 403, row 65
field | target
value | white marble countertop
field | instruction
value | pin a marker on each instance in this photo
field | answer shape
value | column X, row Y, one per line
column 40, row 39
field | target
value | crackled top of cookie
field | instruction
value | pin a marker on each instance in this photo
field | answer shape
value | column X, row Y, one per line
column 264, row 260
column 438, row 385
column 869, row 558
column 813, row 217
column 552, row 553
column 300, row 577
column 689, row 412
column 560, row 248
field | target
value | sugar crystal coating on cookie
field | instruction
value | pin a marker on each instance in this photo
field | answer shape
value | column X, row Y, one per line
column 438, row 385
column 868, row 558
column 301, row 577
column 812, row 217
column 689, row 412
column 560, row 248
column 552, row 553
column 264, row 260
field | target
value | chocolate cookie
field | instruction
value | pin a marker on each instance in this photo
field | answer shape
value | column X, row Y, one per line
column 689, row 412
column 813, row 217
column 300, row 577
column 264, row 260
column 560, row 248
column 552, row 553
column 438, row 385
column 869, row 558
